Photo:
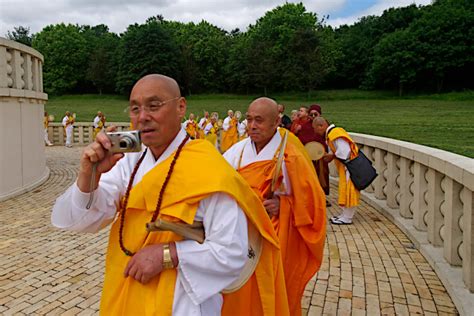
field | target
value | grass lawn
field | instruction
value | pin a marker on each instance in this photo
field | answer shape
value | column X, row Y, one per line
column 443, row 121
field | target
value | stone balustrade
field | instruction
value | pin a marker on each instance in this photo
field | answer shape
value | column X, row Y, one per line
column 83, row 132
column 21, row 71
column 428, row 193
column 21, row 118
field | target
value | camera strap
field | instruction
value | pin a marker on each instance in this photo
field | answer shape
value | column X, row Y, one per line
column 91, row 186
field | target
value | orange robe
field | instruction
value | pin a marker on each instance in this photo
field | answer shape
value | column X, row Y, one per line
column 125, row 296
column 348, row 195
column 230, row 136
column 301, row 224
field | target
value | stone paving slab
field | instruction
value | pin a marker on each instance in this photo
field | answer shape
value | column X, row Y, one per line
column 369, row 268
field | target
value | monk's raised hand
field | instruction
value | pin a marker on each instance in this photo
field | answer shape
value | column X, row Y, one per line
column 272, row 206
column 96, row 153
column 145, row 264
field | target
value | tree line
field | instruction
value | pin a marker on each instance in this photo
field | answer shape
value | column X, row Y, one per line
column 413, row 48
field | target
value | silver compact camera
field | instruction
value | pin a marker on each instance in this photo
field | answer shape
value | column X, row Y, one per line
column 125, row 141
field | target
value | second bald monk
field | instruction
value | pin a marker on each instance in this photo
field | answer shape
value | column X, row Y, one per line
column 296, row 204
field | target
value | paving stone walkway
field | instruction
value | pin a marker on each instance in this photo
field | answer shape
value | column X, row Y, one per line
column 369, row 268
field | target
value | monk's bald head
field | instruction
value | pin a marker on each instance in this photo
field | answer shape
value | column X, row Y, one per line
column 266, row 106
column 157, row 109
column 167, row 85
column 320, row 125
column 262, row 121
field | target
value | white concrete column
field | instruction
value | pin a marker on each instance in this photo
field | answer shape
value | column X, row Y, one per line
column 452, row 232
column 81, row 134
column 28, row 76
column 40, row 73
column 468, row 238
column 3, row 67
column 61, row 135
column 90, row 132
column 392, row 187
column 420, row 203
column 380, row 181
column 406, row 196
column 36, row 75
column 17, row 67
column 51, row 134
column 435, row 198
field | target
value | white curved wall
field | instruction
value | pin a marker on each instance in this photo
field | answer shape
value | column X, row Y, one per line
column 22, row 159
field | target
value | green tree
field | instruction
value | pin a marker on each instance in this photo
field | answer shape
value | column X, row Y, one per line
column 286, row 50
column 204, row 53
column 445, row 39
column 102, row 62
column 396, row 61
column 20, row 34
column 356, row 44
column 146, row 48
column 65, row 57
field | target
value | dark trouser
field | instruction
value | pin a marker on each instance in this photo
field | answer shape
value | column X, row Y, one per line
column 322, row 171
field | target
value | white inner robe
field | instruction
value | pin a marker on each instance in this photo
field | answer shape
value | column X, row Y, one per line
column 249, row 155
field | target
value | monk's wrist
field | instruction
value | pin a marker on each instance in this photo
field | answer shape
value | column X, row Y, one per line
column 174, row 254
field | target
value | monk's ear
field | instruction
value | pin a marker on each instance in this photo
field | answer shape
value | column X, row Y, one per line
column 181, row 107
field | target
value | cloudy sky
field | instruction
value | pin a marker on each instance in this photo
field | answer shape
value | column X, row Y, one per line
column 227, row 14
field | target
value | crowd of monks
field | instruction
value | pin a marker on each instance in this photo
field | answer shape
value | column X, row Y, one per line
column 266, row 183
column 231, row 129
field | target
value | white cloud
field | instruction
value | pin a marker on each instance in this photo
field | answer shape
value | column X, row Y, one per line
column 118, row 14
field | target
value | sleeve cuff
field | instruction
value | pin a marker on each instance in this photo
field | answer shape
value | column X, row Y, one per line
column 79, row 198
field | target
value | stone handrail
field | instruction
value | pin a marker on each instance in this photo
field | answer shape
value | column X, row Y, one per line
column 21, row 71
column 83, row 132
column 428, row 193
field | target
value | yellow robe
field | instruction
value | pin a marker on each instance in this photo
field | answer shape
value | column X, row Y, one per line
column 200, row 131
column 125, row 296
column 191, row 129
column 99, row 128
column 301, row 223
column 348, row 195
column 212, row 135
column 230, row 136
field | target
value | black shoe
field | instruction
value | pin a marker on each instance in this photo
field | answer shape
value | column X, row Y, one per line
column 328, row 203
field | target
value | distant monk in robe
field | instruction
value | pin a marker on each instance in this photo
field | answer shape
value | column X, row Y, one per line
column 229, row 131
column 296, row 203
column 321, row 166
column 341, row 147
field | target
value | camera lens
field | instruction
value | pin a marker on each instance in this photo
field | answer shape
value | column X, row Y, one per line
column 126, row 142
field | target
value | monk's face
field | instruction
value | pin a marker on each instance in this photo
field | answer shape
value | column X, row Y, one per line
column 262, row 122
column 161, row 110
column 294, row 116
column 303, row 113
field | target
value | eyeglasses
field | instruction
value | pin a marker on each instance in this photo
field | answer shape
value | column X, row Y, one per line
column 153, row 107
column 313, row 114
